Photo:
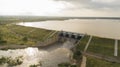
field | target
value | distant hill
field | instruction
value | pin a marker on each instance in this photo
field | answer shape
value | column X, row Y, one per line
column 44, row 18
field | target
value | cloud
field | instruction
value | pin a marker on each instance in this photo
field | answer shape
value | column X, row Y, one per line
column 104, row 1
column 95, row 4
column 34, row 7
column 93, row 7
column 61, row 7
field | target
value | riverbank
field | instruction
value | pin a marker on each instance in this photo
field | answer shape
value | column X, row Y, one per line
column 12, row 36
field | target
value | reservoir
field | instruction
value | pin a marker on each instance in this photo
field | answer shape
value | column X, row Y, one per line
column 108, row 28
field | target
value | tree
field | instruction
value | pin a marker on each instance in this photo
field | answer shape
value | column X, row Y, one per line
column 64, row 65
column 0, row 36
column 33, row 65
column 25, row 39
column 77, row 54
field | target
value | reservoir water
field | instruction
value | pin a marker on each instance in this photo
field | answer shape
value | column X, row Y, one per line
column 108, row 28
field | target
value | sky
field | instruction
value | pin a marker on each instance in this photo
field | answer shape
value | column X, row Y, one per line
column 89, row 8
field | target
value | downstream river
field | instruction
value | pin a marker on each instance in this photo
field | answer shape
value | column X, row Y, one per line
column 108, row 28
column 48, row 57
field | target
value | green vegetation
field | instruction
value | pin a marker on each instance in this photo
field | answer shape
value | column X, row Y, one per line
column 3, row 60
column 94, row 62
column 21, row 35
column 11, row 62
column 30, row 32
column 66, row 65
column 83, row 42
column 119, row 49
column 102, row 46
column 16, row 19
column 36, row 65
column 77, row 55
column 33, row 65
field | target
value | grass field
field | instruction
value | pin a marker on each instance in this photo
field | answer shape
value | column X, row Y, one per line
column 14, row 34
column 102, row 46
column 33, row 33
column 83, row 42
column 119, row 48
column 94, row 62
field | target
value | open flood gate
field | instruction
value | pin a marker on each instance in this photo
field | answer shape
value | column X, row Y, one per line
column 71, row 35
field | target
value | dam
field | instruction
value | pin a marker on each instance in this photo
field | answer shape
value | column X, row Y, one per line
column 72, row 35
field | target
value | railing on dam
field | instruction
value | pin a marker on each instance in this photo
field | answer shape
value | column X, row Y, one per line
column 50, row 39
column 61, row 36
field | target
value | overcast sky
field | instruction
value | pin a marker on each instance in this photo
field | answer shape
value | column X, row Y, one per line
column 60, row 7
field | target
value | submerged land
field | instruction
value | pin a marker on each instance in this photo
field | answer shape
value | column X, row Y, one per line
column 98, row 51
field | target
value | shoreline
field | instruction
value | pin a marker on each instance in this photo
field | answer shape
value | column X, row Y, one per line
column 101, row 28
column 24, row 46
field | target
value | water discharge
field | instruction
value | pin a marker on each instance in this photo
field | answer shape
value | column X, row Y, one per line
column 48, row 57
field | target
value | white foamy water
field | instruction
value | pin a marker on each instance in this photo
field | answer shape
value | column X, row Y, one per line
column 99, row 27
column 34, row 56
column 48, row 58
